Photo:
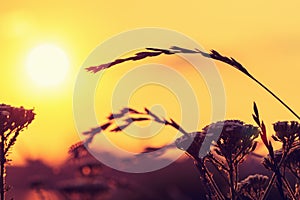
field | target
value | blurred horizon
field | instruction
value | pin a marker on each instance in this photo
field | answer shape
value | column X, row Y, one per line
column 263, row 36
column 179, row 180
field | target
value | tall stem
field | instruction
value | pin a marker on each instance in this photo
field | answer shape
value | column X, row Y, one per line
column 236, row 175
column 288, row 187
column 274, row 95
column 231, row 180
column 268, row 189
column 276, row 174
column 279, row 183
column 211, row 184
column 230, row 61
column 205, row 181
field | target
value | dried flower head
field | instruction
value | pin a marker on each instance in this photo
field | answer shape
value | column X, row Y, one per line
column 12, row 121
column 253, row 186
column 287, row 130
column 13, row 118
column 236, row 139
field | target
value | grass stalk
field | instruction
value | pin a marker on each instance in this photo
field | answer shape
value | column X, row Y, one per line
column 153, row 52
column 275, row 96
column 231, row 181
column 212, row 184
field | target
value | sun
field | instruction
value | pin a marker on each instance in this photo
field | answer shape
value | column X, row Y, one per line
column 47, row 65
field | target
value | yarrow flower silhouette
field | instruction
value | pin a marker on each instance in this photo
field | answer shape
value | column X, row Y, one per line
column 287, row 131
column 253, row 186
column 236, row 139
column 13, row 120
column 235, row 142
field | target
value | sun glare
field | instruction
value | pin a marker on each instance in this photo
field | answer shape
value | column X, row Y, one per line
column 47, row 65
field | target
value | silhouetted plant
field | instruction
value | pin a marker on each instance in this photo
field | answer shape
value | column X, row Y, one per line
column 124, row 115
column 235, row 143
column 287, row 133
column 293, row 161
column 13, row 120
column 253, row 186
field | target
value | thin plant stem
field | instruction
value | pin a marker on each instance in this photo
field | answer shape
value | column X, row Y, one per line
column 231, row 180
column 218, row 162
column 216, row 56
column 268, row 188
column 210, row 179
column 275, row 96
column 288, row 187
column 204, row 179
column 276, row 174
column 281, row 178
column 252, row 197
column 214, row 162
column 295, row 174
column 236, row 176
column 220, row 172
column 279, row 183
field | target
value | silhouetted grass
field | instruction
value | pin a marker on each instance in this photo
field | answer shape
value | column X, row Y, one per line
column 151, row 52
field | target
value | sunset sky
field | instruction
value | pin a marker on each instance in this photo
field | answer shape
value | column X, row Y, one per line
column 263, row 35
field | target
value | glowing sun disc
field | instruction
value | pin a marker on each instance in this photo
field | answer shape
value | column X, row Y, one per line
column 47, row 65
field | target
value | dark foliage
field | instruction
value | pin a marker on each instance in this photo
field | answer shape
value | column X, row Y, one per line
column 13, row 120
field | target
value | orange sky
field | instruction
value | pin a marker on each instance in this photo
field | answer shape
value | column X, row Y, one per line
column 263, row 36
